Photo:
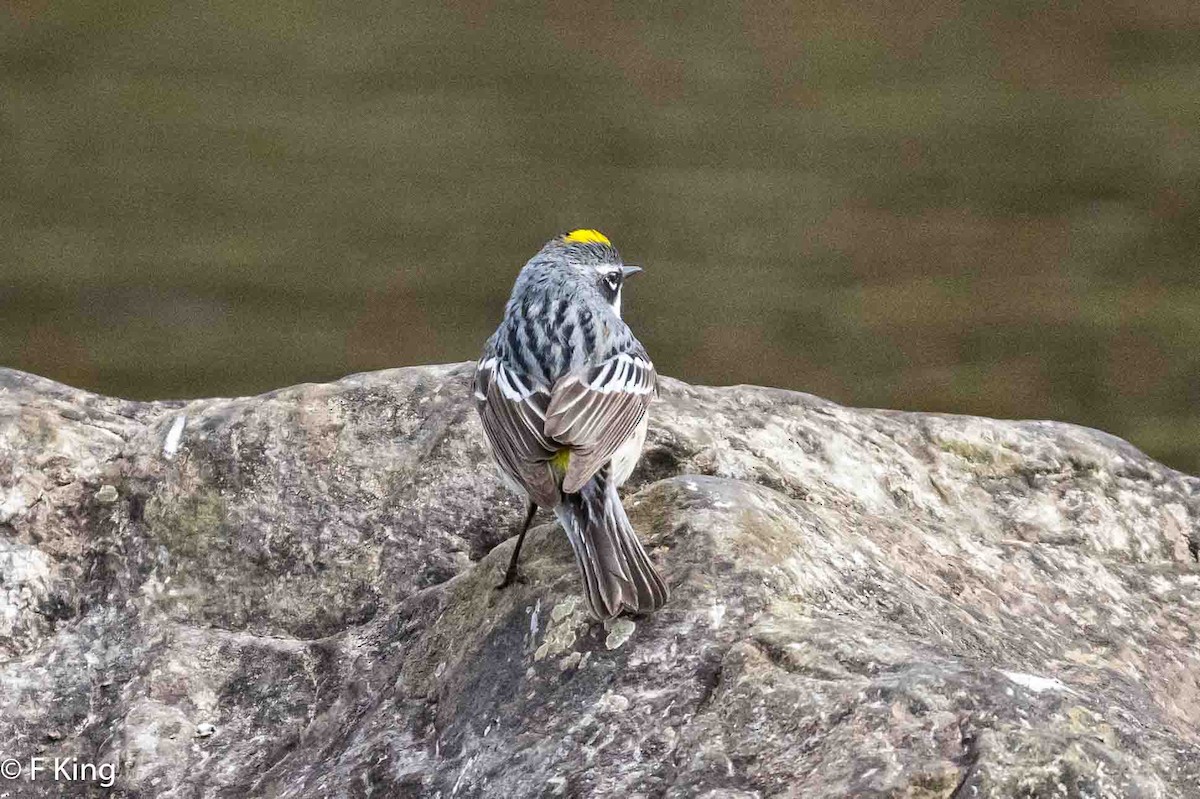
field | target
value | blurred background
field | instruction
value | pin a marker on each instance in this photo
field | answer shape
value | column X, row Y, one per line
column 982, row 207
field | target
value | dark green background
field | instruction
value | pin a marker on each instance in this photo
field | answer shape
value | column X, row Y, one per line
column 985, row 207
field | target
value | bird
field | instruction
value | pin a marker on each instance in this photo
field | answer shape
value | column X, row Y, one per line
column 563, row 389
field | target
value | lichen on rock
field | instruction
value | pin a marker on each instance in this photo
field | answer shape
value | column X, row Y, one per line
column 293, row 595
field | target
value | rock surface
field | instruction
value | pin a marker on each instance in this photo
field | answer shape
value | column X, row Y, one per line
column 291, row 595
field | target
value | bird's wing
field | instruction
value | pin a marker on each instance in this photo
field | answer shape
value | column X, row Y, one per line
column 513, row 411
column 595, row 410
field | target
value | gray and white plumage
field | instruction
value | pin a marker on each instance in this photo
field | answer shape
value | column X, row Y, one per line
column 562, row 389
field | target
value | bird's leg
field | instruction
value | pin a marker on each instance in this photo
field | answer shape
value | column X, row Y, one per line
column 511, row 576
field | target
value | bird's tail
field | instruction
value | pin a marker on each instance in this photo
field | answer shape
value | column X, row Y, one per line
column 617, row 572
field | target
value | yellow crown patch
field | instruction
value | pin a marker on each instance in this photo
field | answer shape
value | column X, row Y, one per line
column 586, row 236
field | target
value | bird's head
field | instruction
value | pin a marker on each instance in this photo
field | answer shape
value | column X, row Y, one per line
column 594, row 260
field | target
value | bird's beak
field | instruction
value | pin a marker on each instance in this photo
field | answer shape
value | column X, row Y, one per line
column 630, row 271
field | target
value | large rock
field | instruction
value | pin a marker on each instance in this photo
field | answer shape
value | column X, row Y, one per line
column 291, row 595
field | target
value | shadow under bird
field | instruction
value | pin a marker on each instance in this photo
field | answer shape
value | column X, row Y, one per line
column 563, row 389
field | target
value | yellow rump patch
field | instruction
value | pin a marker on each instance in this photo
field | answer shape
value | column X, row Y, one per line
column 586, row 236
column 561, row 460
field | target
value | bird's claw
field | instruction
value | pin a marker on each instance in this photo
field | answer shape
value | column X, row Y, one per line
column 509, row 579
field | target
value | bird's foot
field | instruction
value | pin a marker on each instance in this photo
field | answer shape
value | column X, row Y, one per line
column 510, row 578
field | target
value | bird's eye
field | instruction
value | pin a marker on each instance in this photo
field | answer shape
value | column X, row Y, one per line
column 613, row 281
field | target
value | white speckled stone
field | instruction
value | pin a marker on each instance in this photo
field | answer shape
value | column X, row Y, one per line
column 865, row 603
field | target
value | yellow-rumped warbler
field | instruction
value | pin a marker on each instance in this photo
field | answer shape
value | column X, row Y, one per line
column 562, row 389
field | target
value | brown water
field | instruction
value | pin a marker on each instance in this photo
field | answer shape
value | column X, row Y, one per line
column 980, row 207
